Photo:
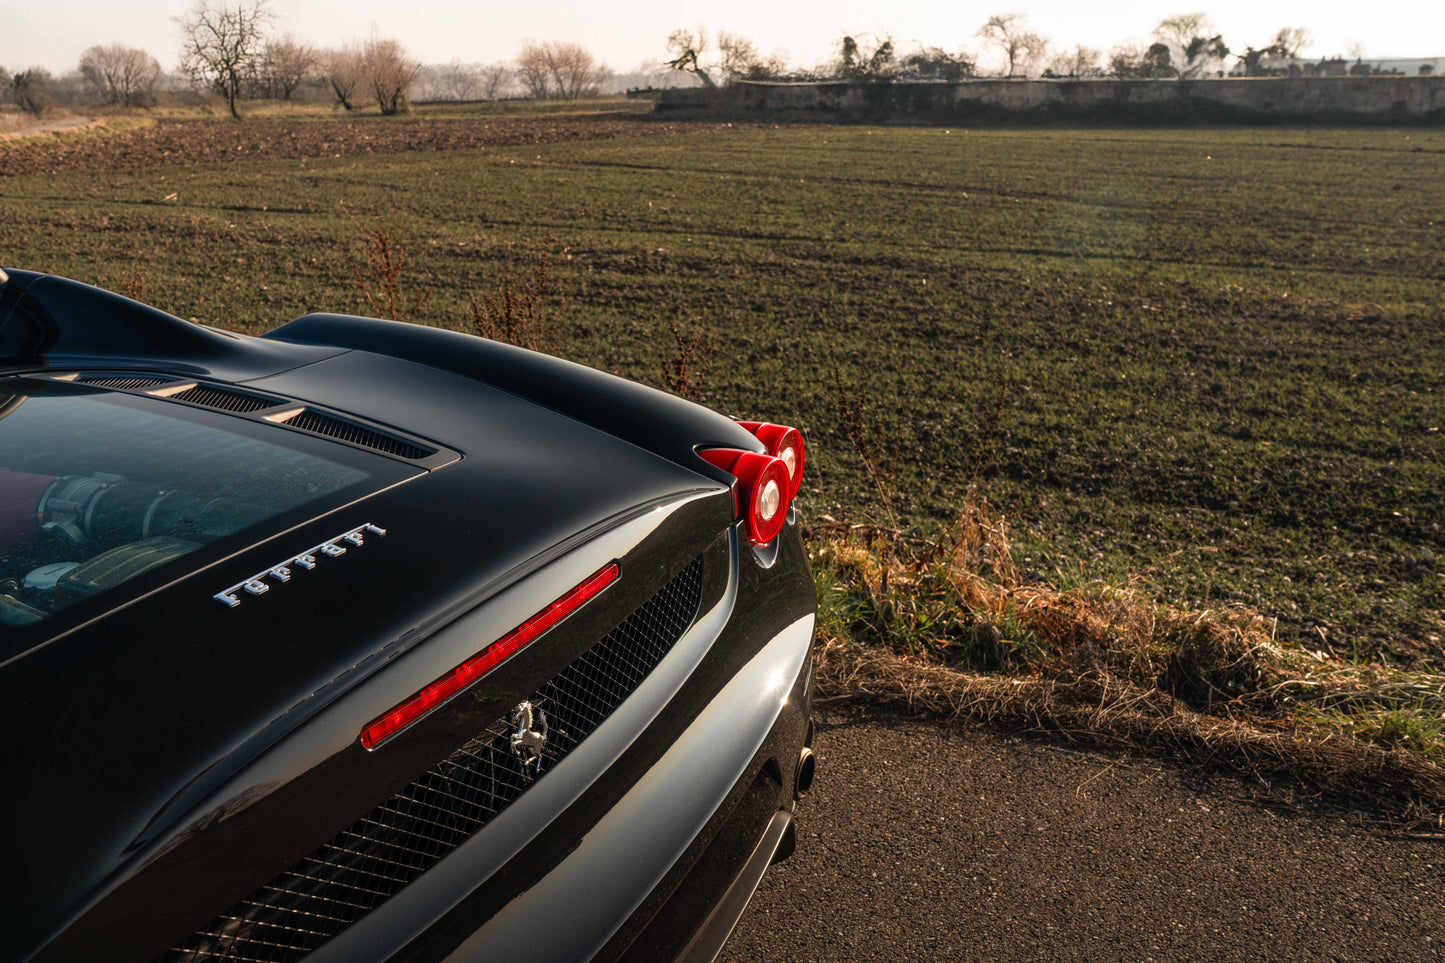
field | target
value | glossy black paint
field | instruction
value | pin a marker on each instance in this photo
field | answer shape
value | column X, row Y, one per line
column 170, row 755
column 659, row 422
column 46, row 321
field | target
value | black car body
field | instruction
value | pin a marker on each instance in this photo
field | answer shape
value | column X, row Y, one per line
column 228, row 566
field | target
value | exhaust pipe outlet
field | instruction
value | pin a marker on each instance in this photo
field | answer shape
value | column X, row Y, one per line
column 803, row 778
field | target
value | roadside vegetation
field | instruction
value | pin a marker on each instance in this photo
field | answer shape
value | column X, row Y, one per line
column 952, row 627
column 1134, row 436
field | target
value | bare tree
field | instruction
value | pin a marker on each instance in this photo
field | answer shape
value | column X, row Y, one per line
column 389, row 73
column 221, row 45
column 604, row 80
column 34, row 90
column 533, row 70
column 572, row 69
column 7, row 82
column 1287, row 43
column 344, row 71
column 1020, row 46
column 1080, row 62
column 1290, row 42
column 737, row 56
column 773, row 67
column 286, row 63
column 1178, row 30
column 686, row 48
column 120, row 75
column 1193, row 44
column 495, row 78
column 455, row 81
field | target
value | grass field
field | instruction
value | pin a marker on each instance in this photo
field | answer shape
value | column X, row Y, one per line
column 1209, row 359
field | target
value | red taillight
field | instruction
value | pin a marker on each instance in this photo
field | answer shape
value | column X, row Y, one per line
column 765, row 490
column 782, row 442
column 484, row 661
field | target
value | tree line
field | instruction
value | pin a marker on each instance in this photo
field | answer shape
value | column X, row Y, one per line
column 231, row 49
column 1183, row 47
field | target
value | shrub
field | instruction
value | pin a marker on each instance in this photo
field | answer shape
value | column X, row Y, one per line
column 34, row 91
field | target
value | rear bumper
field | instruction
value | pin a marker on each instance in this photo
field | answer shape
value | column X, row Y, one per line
column 709, row 888
column 554, row 877
column 668, row 854
column 630, row 840
column 775, row 844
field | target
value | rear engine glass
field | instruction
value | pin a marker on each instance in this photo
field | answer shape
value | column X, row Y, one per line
column 97, row 489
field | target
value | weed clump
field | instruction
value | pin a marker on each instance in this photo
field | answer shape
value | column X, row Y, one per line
column 960, row 600
column 519, row 311
column 685, row 373
column 952, row 626
column 379, row 268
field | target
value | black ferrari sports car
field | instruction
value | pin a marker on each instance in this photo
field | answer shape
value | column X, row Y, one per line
column 370, row 641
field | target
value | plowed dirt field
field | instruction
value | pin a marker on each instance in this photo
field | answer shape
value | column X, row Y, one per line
column 181, row 143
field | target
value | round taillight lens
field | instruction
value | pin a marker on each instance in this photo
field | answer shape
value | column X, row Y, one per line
column 766, row 508
column 784, row 443
column 764, row 490
column 790, row 460
column 769, row 500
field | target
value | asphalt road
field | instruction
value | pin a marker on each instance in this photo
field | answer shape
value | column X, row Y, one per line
column 924, row 843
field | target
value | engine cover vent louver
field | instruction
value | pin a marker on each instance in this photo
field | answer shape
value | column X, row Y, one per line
column 373, row 859
column 309, row 419
column 225, row 399
column 124, row 381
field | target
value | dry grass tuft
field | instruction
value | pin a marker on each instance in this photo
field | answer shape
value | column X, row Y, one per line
column 379, row 267
column 1105, row 712
column 685, row 373
column 521, row 310
column 133, row 285
column 952, row 627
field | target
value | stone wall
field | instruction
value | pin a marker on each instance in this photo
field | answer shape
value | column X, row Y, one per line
column 1377, row 99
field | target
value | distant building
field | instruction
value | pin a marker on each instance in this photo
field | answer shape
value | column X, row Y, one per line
column 1340, row 67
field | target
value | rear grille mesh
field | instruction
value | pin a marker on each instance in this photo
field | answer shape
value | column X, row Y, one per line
column 344, row 879
column 324, row 424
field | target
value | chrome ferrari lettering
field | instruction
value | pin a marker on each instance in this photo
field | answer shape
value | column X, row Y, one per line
column 527, row 742
column 281, row 572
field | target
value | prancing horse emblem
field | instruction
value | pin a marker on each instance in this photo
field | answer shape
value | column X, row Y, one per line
column 527, row 742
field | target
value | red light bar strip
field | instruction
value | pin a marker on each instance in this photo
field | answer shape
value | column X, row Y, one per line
column 387, row 725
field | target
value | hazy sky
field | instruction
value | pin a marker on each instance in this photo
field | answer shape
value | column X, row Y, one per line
column 626, row 33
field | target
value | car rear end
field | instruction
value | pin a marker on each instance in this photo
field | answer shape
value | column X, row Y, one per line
column 539, row 690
